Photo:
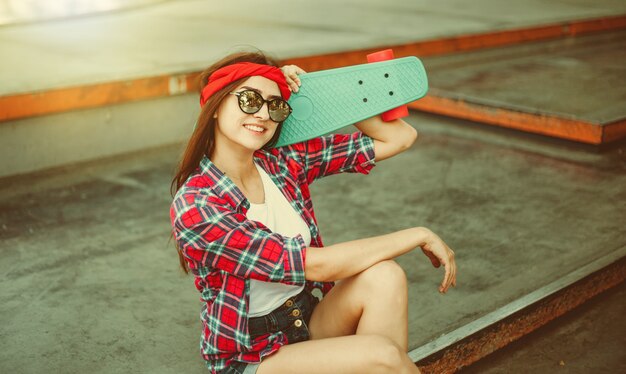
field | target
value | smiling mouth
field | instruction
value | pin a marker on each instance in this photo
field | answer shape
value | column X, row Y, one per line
column 255, row 129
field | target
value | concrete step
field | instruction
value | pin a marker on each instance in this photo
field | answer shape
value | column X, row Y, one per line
column 589, row 339
column 571, row 88
column 480, row 338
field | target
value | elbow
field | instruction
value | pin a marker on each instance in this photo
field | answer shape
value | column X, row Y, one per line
column 407, row 140
column 411, row 137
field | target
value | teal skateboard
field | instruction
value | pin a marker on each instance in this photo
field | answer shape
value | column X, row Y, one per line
column 331, row 99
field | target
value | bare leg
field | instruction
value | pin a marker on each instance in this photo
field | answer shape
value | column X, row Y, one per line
column 371, row 304
column 347, row 354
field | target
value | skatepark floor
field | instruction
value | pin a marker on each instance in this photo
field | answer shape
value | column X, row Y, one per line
column 90, row 282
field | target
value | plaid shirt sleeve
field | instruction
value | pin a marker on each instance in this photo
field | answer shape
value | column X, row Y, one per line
column 335, row 153
column 212, row 235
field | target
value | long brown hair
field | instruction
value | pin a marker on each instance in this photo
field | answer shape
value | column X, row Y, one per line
column 202, row 140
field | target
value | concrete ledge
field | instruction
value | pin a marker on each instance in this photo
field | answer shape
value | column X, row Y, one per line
column 45, row 102
column 93, row 96
column 577, row 130
column 495, row 330
column 470, row 42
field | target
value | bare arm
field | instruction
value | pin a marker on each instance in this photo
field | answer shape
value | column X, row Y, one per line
column 390, row 138
column 346, row 259
column 343, row 260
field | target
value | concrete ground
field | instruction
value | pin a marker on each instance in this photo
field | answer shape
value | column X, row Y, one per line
column 589, row 339
column 90, row 282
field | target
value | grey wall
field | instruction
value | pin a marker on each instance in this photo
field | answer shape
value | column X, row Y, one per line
column 42, row 142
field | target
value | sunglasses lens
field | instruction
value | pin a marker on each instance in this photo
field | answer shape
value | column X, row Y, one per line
column 279, row 110
column 250, row 102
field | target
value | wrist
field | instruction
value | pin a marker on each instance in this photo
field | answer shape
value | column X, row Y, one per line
column 424, row 236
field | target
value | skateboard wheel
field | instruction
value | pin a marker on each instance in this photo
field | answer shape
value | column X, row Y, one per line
column 379, row 56
column 395, row 113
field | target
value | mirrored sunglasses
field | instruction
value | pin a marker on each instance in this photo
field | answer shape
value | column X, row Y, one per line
column 251, row 102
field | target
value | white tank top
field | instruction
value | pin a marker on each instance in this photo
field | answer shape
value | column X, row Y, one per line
column 279, row 216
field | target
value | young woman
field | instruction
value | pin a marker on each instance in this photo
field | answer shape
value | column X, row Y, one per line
column 245, row 227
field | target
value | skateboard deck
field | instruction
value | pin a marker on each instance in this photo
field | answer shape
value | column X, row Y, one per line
column 331, row 99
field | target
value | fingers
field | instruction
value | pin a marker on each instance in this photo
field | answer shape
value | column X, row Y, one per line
column 442, row 255
column 454, row 268
column 450, row 275
column 446, row 279
column 291, row 76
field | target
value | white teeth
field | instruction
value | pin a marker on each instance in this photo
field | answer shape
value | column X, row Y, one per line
column 254, row 128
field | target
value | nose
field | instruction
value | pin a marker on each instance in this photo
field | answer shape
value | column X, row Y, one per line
column 263, row 113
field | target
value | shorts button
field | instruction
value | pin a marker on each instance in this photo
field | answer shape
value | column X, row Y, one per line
column 295, row 313
column 289, row 303
column 298, row 323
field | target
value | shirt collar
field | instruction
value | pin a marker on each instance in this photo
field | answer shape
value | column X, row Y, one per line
column 224, row 187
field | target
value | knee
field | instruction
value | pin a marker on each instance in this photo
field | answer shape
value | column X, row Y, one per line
column 386, row 355
column 387, row 274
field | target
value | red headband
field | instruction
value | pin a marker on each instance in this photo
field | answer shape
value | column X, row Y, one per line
column 230, row 73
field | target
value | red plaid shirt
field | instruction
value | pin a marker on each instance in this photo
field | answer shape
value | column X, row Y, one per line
column 224, row 249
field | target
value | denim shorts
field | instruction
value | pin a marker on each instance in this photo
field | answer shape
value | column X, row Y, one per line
column 292, row 318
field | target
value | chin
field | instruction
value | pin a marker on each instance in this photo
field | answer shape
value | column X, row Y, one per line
column 255, row 143
column 255, row 146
